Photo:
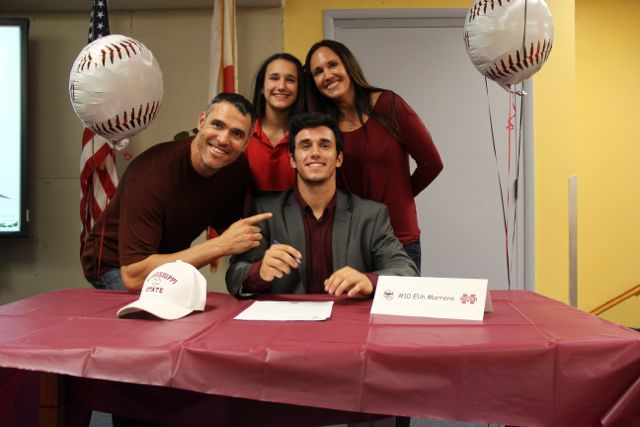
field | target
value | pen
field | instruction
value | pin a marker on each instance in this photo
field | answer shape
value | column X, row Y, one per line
column 275, row 242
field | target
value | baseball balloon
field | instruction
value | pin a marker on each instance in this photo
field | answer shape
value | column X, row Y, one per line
column 115, row 86
column 508, row 40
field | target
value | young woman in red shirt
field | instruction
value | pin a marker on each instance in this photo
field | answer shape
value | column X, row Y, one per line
column 276, row 97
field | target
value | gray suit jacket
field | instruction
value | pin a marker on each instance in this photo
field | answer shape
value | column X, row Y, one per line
column 362, row 239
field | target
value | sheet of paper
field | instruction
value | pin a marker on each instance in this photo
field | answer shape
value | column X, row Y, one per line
column 287, row 310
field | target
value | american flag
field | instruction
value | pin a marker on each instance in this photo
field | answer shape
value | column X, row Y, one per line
column 99, row 22
column 98, row 176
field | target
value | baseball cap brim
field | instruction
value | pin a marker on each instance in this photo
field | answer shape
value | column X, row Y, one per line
column 164, row 310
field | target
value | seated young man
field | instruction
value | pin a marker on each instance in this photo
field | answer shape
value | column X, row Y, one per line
column 319, row 239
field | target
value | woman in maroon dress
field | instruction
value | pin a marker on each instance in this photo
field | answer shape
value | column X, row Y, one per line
column 380, row 132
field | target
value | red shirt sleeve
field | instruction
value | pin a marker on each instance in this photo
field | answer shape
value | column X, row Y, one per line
column 253, row 283
column 419, row 144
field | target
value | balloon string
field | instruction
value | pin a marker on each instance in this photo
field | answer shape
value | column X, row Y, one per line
column 510, row 126
column 500, row 186
column 518, row 160
column 520, row 138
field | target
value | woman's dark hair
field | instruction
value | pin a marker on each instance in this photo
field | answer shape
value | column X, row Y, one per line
column 316, row 101
column 259, row 101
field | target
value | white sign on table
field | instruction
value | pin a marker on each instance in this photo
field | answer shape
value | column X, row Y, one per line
column 444, row 298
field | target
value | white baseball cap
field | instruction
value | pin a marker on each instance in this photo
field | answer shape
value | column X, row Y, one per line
column 171, row 291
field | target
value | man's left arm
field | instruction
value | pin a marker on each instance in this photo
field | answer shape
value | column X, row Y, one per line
column 389, row 258
column 388, row 255
column 240, row 237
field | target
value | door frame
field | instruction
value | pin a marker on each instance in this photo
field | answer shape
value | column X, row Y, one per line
column 337, row 19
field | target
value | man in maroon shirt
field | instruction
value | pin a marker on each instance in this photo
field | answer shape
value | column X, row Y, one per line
column 169, row 195
column 319, row 239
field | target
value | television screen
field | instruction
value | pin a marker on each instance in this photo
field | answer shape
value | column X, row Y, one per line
column 13, row 116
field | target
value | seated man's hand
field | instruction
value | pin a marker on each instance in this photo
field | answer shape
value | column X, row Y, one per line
column 348, row 280
column 242, row 235
column 278, row 260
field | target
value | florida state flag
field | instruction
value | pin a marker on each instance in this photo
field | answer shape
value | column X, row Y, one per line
column 222, row 60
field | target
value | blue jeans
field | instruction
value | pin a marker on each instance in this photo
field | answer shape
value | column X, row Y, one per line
column 415, row 253
column 110, row 279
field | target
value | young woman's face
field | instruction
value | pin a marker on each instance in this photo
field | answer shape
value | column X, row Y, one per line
column 329, row 73
column 280, row 87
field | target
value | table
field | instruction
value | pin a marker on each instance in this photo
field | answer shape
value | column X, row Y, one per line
column 533, row 361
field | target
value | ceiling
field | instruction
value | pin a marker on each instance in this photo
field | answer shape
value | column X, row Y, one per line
column 84, row 5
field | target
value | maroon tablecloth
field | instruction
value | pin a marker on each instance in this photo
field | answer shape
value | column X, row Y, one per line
column 534, row 361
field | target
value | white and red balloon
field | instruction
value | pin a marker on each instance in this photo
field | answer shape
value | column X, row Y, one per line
column 508, row 40
column 116, row 87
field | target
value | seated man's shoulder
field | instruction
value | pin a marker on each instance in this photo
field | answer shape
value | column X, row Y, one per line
column 273, row 199
column 359, row 203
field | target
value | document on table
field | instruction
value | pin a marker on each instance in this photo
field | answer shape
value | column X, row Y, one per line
column 287, row 310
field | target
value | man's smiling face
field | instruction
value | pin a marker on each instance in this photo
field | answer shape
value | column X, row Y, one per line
column 222, row 136
column 316, row 156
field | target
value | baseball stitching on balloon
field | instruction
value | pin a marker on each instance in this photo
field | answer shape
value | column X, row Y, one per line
column 538, row 54
column 109, row 53
column 482, row 6
column 127, row 120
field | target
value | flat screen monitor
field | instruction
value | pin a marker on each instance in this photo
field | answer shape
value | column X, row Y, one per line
column 13, row 124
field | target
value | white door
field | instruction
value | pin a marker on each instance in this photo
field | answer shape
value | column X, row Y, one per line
column 420, row 54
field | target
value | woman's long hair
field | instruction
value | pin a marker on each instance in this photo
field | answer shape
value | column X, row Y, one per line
column 259, row 101
column 316, row 101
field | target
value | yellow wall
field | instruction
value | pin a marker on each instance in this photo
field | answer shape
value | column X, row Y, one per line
column 608, row 154
column 554, row 122
column 555, row 154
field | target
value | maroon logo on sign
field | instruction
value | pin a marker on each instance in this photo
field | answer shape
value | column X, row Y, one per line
column 471, row 299
column 388, row 294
